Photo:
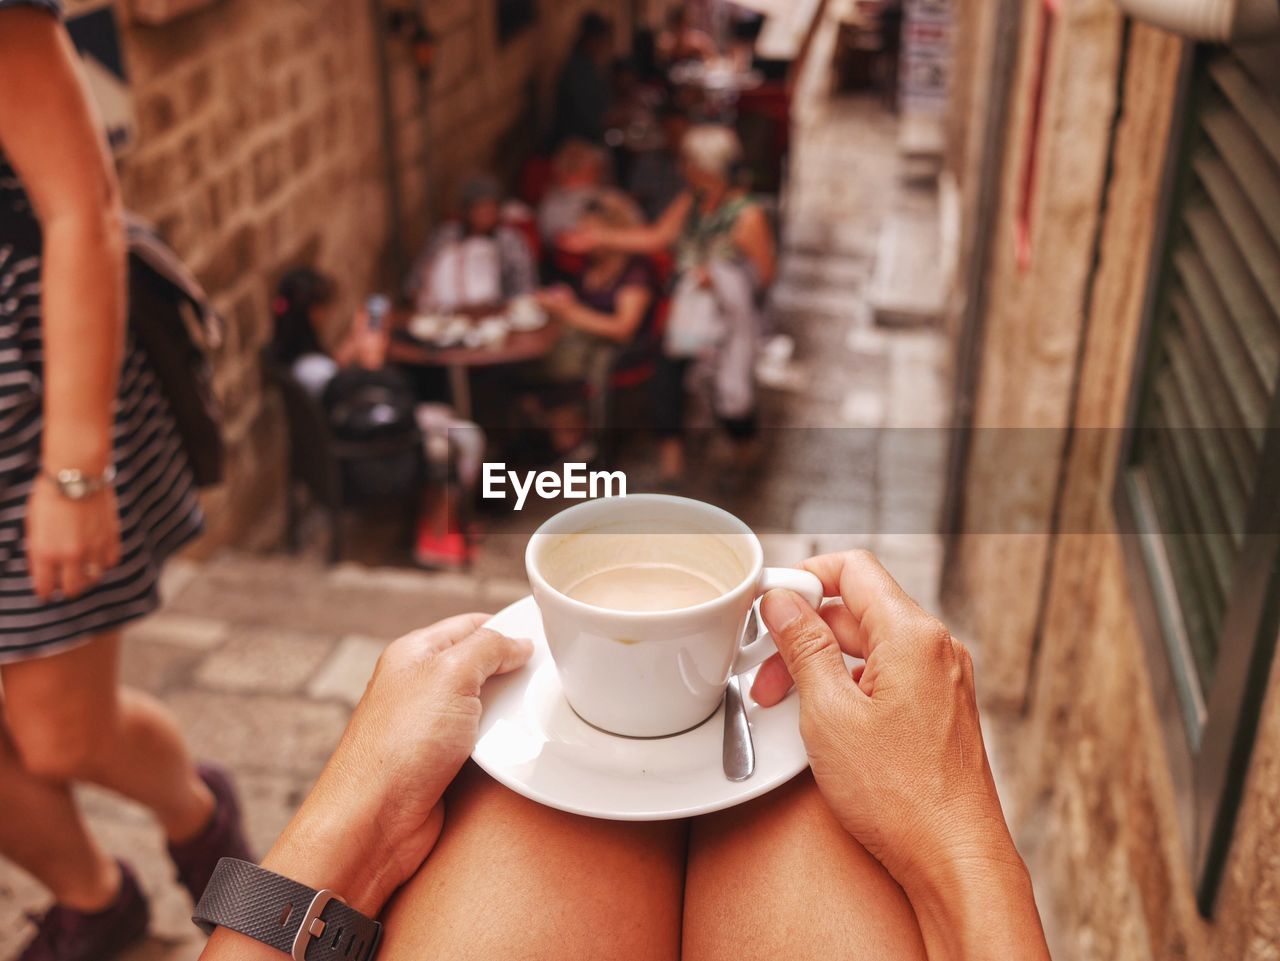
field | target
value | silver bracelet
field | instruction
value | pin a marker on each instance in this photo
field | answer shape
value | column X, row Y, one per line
column 77, row 485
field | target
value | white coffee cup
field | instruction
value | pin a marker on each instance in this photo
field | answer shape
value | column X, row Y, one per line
column 651, row 673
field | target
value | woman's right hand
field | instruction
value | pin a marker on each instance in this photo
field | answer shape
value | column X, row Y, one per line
column 896, row 748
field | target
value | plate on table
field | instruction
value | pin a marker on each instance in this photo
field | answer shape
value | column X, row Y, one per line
column 524, row 314
column 532, row 742
column 492, row 331
column 438, row 329
column 425, row 326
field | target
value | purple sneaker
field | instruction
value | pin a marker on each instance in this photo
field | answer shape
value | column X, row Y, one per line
column 66, row 935
column 223, row 836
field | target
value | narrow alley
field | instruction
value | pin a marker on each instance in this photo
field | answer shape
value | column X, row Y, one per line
column 263, row 656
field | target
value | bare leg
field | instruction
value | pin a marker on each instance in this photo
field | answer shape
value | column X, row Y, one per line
column 512, row 879
column 567, row 426
column 747, row 453
column 671, row 458
column 71, row 722
column 42, row 832
column 779, row 878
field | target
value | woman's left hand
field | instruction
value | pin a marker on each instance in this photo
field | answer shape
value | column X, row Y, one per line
column 70, row 543
column 377, row 810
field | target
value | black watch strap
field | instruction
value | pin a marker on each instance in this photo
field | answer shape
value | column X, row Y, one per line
column 306, row 924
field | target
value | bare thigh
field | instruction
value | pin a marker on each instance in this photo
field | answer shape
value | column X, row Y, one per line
column 512, row 879
column 61, row 708
column 779, row 878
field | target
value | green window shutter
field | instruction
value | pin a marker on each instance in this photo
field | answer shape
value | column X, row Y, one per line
column 1214, row 357
column 1197, row 495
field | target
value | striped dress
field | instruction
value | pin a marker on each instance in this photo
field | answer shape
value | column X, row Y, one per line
column 159, row 511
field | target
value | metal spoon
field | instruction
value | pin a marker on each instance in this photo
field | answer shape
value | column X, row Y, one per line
column 739, row 754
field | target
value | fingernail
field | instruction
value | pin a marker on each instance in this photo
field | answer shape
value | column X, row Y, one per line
column 779, row 608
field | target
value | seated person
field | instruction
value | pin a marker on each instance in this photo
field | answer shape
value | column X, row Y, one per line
column 605, row 308
column 644, row 52
column 583, row 91
column 680, row 41
column 656, row 177
column 578, row 174
column 634, row 101
column 303, row 306
column 476, row 260
column 892, row 847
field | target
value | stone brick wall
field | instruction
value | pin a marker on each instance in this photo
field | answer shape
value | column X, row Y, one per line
column 1092, row 797
column 260, row 146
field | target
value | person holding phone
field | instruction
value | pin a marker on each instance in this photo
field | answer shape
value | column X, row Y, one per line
column 452, row 447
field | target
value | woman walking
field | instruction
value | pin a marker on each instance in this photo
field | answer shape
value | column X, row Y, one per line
column 95, row 493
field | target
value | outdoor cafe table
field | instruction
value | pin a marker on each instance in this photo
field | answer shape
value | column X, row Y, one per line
column 520, row 346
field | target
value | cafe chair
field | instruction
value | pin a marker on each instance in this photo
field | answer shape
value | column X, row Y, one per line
column 339, row 473
column 534, row 180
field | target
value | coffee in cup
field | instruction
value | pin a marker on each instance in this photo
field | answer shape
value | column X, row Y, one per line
column 645, row 587
column 643, row 601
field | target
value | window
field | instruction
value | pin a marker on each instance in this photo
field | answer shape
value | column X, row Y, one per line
column 514, row 16
column 1198, row 495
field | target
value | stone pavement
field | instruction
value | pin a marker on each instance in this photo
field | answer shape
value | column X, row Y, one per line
column 262, row 658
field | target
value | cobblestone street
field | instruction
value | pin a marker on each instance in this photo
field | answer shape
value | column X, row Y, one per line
column 262, row 657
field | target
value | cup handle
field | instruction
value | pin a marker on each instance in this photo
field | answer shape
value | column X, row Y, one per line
column 803, row 583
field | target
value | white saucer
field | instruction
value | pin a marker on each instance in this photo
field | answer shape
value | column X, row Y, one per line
column 531, row 741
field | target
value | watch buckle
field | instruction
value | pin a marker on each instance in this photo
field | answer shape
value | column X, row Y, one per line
column 312, row 927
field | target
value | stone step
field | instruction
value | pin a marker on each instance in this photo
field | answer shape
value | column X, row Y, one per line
column 907, row 286
column 287, row 592
column 811, row 269
column 803, row 299
column 829, row 238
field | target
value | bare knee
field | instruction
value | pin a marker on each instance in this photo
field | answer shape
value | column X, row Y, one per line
column 59, row 745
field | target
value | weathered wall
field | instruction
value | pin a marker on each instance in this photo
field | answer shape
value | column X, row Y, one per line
column 970, row 97
column 260, row 146
column 1033, row 323
column 1092, row 797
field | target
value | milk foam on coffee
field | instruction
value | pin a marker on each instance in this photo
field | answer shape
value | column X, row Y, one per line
column 645, row 566
column 645, row 587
